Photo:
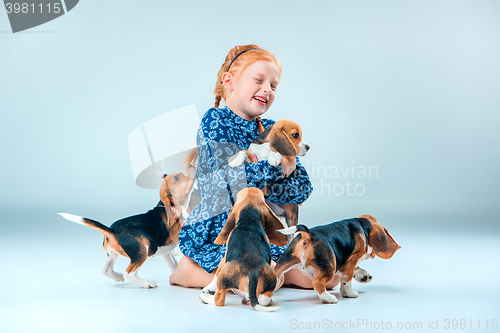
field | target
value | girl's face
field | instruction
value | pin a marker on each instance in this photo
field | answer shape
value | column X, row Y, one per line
column 253, row 92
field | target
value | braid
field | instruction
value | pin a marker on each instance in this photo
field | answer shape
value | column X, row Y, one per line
column 217, row 101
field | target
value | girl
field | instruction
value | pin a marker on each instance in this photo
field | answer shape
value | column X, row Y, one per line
column 247, row 82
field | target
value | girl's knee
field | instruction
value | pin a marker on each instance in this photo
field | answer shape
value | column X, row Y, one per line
column 180, row 275
column 188, row 274
column 184, row 261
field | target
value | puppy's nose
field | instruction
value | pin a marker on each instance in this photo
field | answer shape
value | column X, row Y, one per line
column 307, row 147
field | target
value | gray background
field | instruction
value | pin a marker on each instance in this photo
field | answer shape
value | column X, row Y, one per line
column 410, row 87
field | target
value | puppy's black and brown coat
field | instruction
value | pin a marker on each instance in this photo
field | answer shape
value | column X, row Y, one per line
column 251, row 225
column 154, row 233
column 336, row 248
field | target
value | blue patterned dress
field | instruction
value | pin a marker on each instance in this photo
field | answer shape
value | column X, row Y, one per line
column 222, row 134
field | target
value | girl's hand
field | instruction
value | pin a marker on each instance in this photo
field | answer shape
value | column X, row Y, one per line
column 288, row 166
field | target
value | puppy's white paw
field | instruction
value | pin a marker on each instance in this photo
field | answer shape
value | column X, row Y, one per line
column 362, row 276
column 264, row 300
column 207, row 299
column 237, row 159
column 145, row 284
column 208, row 291
column 151, row 285
column 347, row 291
column 132, row 277
column 326, row 297
column 274, row 158
column 346, row 288
column 117, row 277
column 211, row 288
column 350, row 293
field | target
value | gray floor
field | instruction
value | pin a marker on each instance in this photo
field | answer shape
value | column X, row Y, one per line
column 446, row 270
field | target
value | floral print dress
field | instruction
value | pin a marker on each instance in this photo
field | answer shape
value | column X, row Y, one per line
column 222, row 134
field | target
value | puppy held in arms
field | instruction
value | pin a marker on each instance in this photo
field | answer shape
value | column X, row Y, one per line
column 280, row 140
column 336, row 248
column 246, row 266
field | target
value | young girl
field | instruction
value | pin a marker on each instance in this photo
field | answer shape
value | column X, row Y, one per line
column 247, row 82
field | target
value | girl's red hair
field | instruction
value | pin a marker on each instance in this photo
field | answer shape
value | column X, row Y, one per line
column 240, row 64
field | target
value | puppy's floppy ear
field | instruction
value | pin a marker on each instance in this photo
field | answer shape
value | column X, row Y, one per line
column 228, row 227
column 272, row 224
column 173, row 211
column 279, row 142
column 173, row 222
column 165, row 192
column 382, row 242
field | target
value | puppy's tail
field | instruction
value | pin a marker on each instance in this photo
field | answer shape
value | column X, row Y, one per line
column 89, row 223
column 253, row 280
column 292, row 230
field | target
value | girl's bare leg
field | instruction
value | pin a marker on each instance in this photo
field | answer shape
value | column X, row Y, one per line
column 295, row 278
column 189, row 274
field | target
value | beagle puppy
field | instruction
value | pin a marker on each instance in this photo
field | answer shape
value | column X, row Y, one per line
column 283, row 139
column 246, row 266
column 336, row 248
column 154, row 233
column 180, row 189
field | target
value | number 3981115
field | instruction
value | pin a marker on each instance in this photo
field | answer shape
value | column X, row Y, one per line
column 26, row 8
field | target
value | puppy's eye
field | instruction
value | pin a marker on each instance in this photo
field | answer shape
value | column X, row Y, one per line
column 176, row 179
column 295, row 135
